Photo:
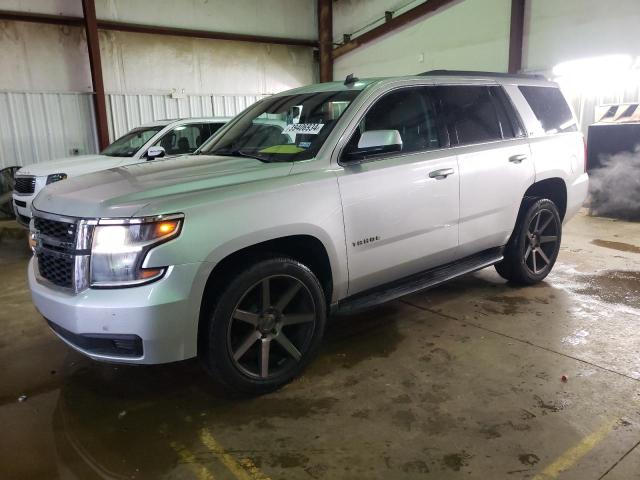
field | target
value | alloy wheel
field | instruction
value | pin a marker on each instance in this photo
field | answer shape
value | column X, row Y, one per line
column 271, row 326
column 542, row 241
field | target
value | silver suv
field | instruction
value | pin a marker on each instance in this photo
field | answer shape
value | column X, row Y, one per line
column 325, row 199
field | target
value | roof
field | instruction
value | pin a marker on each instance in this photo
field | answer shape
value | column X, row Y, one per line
column 439, row 77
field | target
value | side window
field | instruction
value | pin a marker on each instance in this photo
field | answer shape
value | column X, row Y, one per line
column 551, row 109
column 509, row 122
column 183, row 139
column 214, row 127
column 410, row 112
column 470, row 114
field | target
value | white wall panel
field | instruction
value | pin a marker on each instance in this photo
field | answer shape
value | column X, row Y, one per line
column 35, row 127
column 462, row 36
column 277, row 18
column 558, row 31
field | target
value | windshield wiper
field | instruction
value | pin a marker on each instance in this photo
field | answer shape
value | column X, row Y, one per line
column 240, row 153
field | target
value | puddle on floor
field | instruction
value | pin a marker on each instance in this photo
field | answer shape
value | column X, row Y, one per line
column 621, row 246
column 618, row 287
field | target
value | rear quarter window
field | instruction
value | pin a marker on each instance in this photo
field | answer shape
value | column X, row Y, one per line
column 550, row 108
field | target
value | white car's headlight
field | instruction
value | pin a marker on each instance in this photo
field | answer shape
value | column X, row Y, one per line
column 56, row 177
column 119, row 249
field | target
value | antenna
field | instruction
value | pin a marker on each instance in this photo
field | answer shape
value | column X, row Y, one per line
column 350, row 79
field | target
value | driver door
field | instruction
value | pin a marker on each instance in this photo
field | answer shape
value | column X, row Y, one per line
column 400, row 216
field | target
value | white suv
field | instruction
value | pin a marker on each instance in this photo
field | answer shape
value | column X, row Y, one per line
column 329, row 198
column 172, row 137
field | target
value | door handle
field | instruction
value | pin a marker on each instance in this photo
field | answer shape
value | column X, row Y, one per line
column 518, row 158
column 441, row 174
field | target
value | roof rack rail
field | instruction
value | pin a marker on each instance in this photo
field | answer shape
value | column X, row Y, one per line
column 456, row 73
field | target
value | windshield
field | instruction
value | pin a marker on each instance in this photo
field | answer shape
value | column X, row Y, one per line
column 130, row 143
column 284, row 128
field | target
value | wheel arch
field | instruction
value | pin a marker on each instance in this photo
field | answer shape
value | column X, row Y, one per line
column 554, row 188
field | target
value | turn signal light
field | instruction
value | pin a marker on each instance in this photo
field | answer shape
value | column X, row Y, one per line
column 166, row 227
column 147, row 273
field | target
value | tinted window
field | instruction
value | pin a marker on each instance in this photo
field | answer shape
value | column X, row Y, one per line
column 551, row 109
column 214, row 127
column 409, row 111
column 470, row 114
column 184, row 138
column 507, row 117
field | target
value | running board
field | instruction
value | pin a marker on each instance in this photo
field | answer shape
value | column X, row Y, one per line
column 419, row 281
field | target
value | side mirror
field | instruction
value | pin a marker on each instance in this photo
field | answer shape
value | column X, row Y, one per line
column 155, row 152
column 375, row 142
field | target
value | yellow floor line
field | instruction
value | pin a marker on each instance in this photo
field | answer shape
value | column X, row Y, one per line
column 236, row 468
column 569, row 458
column 201, row 472
column 255, row 472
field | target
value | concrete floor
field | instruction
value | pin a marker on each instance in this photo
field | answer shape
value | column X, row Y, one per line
column 463, row 381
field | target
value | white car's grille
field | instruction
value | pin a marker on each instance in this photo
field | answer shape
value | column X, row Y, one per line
column 25, row 185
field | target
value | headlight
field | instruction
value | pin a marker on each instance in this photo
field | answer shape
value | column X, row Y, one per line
column 56, row 177
column 119, row 249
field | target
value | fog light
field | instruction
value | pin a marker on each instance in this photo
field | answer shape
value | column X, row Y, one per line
column 32, row 242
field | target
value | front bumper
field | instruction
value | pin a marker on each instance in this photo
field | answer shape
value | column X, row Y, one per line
column 149, row 324
column 22, row 207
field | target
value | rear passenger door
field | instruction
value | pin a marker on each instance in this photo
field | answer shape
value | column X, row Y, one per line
column 494, row 162
column 400, row 216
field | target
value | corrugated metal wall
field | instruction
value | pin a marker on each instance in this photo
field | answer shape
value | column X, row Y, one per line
column 36, row 127
column 41, row 126
column 128, row 111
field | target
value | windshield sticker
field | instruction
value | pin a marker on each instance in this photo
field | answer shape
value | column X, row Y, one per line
column 305, row 128
column 282, row 149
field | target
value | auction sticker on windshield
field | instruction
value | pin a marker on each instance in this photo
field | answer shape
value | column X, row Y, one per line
column 306, row 128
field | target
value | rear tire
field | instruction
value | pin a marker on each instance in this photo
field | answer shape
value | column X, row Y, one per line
column 264, row 327
column 534, row 245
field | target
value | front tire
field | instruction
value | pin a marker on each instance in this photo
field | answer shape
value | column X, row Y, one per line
column 265, row 326
column 534, row 245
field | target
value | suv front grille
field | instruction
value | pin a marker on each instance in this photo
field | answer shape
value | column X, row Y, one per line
column 25, row 185
column 58, row 269
column 63, row 257
column 61, row 231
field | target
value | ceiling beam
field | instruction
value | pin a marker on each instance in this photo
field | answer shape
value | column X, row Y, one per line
column 154, row 30
column 392, row 24
column 516, row 35
column 41, row 18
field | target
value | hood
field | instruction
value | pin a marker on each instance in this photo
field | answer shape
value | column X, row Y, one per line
column 122, row 191
column 73, row 166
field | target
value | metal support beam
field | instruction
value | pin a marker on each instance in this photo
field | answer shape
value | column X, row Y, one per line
column 151, row 29
column 93, row 45
column 325, row 39
column 516, row 35
column 392, row 24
